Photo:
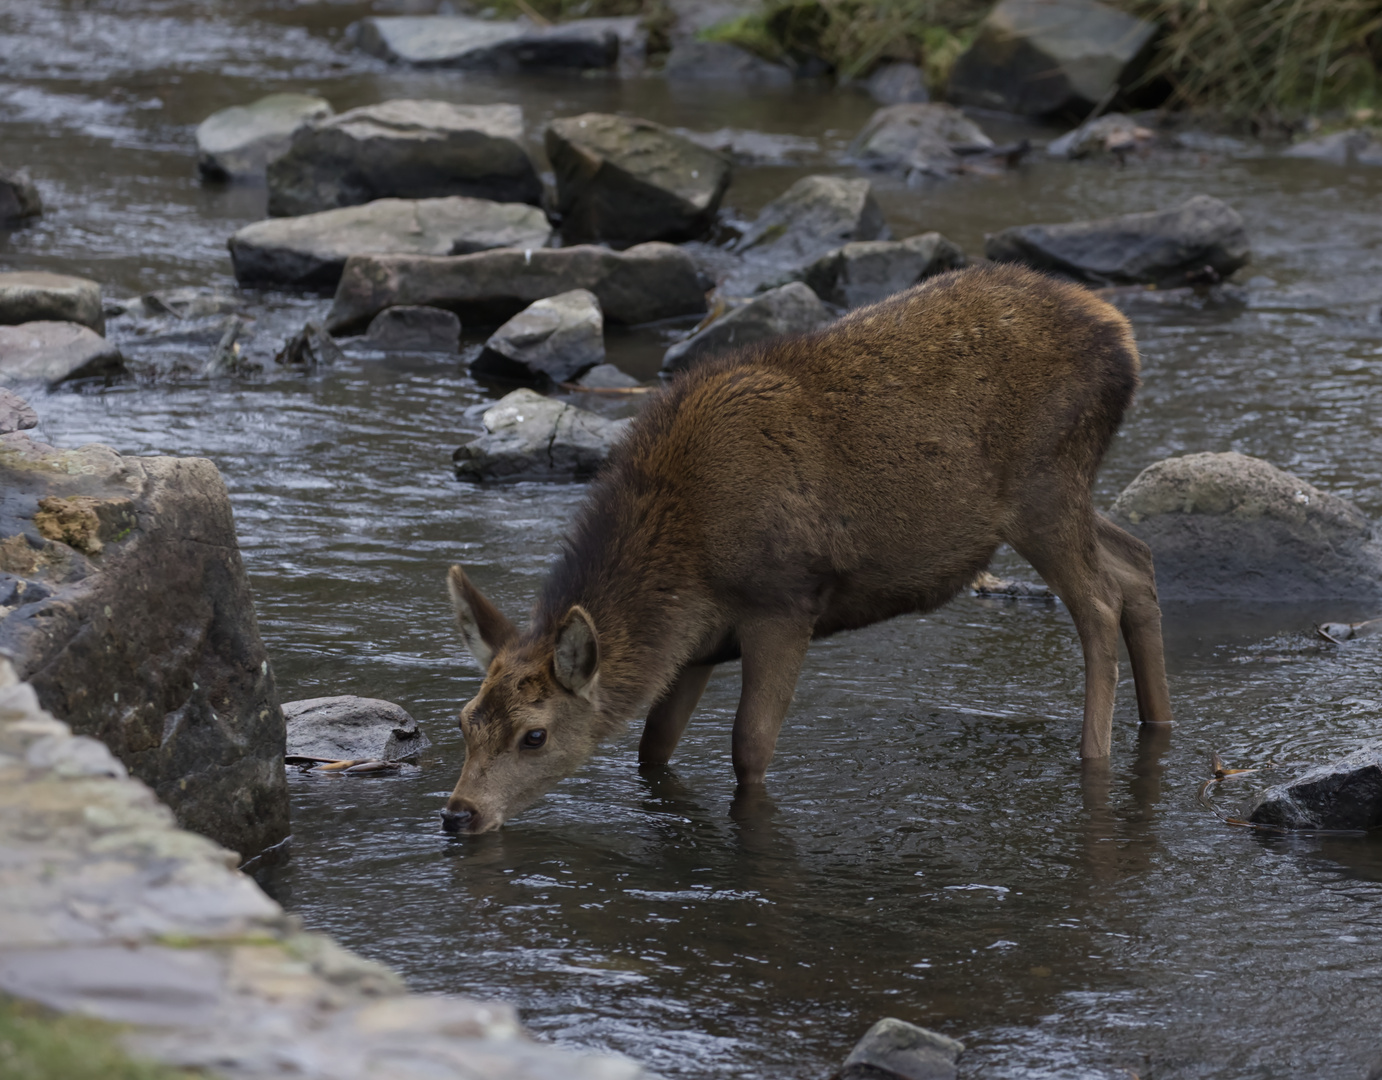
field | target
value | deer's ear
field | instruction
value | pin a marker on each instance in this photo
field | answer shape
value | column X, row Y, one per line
column 483, row 627
column 576, row 657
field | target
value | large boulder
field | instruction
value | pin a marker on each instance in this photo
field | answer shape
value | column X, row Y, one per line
column 896, row 1050
column 643, row 284
column 1057, row 58
column 555, row 338
column 1200, row 241
column 349, row 727
column 310, row 252
column 415, row 329
column 789, row 309
column 1228, row 526
column 238, row 143
column 34, row 296
column 405, row 149
column 1343, row 794
column 124, row 602
column 55, row 352
column 455, row 41
column 625, row 180
column 718, row 62
column 867, row 271
column 19, row 198
column 919, row 139
column 530, row 437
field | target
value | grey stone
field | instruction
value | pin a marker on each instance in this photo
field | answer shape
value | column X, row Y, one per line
column 607, row 377
column 789, row 309
column 530, row 437
column 415, row 329
column 1357, row 146
column 37, row 296
column 866, row 271
column 1227, row 526
column 55, row 352
column 1112, row 134
column 310, row 348
column 919, row 140
column 15, row 414
column 191, row 302
column 1200, row 241
column 311, row 251
column 643, row 284
column 19, row 198
column 1343, row 794
column 756, row 147
column 404, row 149
column 349, row 727
column 456, row 41
column 238, row 143
column 1051, row 57
column 720, row 62
column 555, row 338
column 897, row 1049
column 898, row 84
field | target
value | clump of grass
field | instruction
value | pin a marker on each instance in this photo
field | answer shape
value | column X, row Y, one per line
column 35, row 1045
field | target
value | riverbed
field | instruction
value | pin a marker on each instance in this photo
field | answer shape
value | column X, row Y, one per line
column 930, row 847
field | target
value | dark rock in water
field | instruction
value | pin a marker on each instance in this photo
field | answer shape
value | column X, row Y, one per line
column 1111, row 134
column 530, row 437
column 1227, row 526
column 405, row 149
column 896, row 1050
column 1345, row 794
column 721, row 62
column 136, row 626
column 626, row 180
column 790, row 309
column 1051, row 58
column 870, row 270
column 455, row 41
column 56, row 352
column 555, row 338
column 348, row 728
column 415, row 329
column 898, row 84
column 607, row 377
column 19, row 198
column 15, row 413
column 1143, row 299
column 1198, row 242
column 919, row 140
column 310, row 347
column 37, row 296
column 238, row 143
column 643, row 284
column 991, row 585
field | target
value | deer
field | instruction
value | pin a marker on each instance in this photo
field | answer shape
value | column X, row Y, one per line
column 794, row 489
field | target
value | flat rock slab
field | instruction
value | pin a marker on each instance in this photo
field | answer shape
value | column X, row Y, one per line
column 56, row 352
column 789, row 309
column 404, row 149
column 718, row 62
column 1344, row 794
column 352, row 728
column 643, row 284
column 555, row 338
column 625, row 180
column 1228, row 526
column 455, row 41
column 415, row 329
column 19, row 198
column 15, row 414
column 36, row 296
column 530, row 437
column 896, row 1050
column 310, row 252
column 1198, row 242
column 919, row 140
column 238, row 143
column 867, row 271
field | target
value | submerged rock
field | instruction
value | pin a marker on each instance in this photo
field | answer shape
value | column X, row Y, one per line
column 867, row 271
column 37, row 296
column 627, row 180
column 1198, row 242
column 311, row 251
column 1112, row 134
column 720, row 62
column 405, row 149
column 19, row 198
column 920, row 140
column 755, row 147
column 789, row 309
column 349, row 727
column 530, row 437
column 898, row 84
column 1228, row 526
column 555, row 338
column 607, row 377
column 311, row 347
column 238, row 143
column 456, row 41
column 1344, row 794
column 1357, row 146
column 56, row 352
column 415, row 329
column 15, row 413
column 896, row 1050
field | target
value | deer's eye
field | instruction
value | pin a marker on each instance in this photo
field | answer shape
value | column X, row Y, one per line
column 534, row 739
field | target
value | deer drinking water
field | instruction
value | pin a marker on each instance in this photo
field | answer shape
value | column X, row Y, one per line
column 791, row 490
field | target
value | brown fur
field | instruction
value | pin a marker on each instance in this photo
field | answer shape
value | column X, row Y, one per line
column 818, row 484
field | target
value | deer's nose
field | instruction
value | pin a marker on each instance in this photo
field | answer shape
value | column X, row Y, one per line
column 456, row 821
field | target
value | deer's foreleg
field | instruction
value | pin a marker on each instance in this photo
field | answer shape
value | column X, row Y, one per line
column 773, row 649
column 668, row 718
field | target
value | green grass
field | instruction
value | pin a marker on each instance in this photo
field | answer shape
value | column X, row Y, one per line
column 36, row 1045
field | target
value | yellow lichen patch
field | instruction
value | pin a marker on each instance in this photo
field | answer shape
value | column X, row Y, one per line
column 84, row 522
column 17, row 557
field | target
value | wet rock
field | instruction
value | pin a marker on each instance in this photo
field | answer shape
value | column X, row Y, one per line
column 415, row 329
column 455, row 41
column 188, row 303
column 1113, row 134
column 898, row 84
column 991, row 585
column 1051, row 58
column 643, row 284
column 607, row 377
column 789, row 309
column 1200, row 241
column 626, row 180
column 143, row 634
column 350, row 727
column 866, row 271
column 19, row 198
column 1358, row 146
column 896, row 1050
column 1341, row 632
column 530, row 437
column 405, row 149
column 755, row 147
column 1235, row 527
column 723, row 63
column 311, row 347
column 55, row 352
column 920, row 140
column 37, row 296
column 554, row 338
column 1344, row 794
column 311, row 251
column 15, row 413
column 238, row 143
column 1143, row 299
column 226, row 359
